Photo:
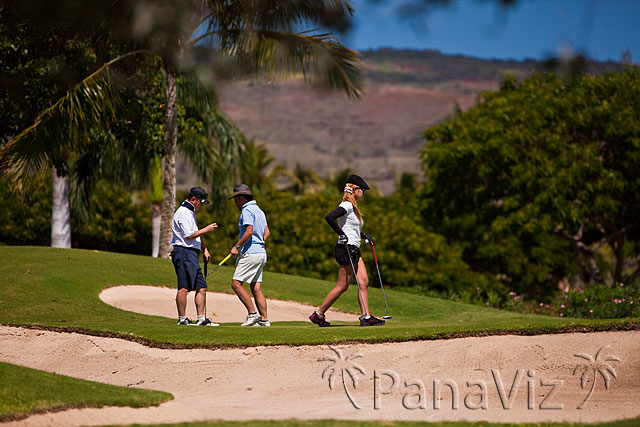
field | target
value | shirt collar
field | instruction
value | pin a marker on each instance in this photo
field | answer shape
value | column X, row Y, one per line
column 188, row 205
column 250, row 202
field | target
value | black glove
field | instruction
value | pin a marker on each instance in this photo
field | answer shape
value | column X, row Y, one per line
column 342, row 239
column 368, row 240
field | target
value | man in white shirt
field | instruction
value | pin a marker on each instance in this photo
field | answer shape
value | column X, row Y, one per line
column 185, row 255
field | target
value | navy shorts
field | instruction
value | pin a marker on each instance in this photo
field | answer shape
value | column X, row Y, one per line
column 187, row 265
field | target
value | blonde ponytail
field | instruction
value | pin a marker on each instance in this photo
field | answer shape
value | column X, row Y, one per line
column 348, row 197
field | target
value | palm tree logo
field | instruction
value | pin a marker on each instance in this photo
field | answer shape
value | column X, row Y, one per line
column 347, row 368
column 597, row 365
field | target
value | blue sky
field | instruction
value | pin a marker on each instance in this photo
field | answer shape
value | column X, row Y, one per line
column 537, row 29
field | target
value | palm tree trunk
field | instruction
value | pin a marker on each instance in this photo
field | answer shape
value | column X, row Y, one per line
column 60, row 212
column 156, row 204
column 170, row 148
column 156, row 219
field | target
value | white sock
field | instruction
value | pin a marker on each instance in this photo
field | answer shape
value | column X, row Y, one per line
column 181, row 318
column 200, row 318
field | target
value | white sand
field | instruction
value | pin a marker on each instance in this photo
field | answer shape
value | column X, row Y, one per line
column 287, row 382
column 159, row 301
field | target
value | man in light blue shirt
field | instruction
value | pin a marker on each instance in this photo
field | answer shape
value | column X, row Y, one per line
column 254, row 231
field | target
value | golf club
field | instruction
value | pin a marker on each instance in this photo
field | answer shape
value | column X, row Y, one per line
column 216, row 267
column 204, row 259
column 207, row 275
column 355, row 276
column 375, row 258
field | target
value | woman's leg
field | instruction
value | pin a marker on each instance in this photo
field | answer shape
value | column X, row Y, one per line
column 342, row 284
column 363, row 281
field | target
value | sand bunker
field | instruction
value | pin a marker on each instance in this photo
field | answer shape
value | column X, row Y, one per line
column 500, row 378
column 222, row 308
column 545, row 378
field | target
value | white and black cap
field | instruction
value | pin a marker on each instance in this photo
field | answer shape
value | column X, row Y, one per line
column 199, row 193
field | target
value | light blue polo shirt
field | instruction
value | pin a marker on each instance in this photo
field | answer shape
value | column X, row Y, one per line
column 253, row 215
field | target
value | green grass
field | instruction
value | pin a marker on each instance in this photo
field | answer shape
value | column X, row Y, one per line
column 58, row 289
column 331, row 423
column 25, row 391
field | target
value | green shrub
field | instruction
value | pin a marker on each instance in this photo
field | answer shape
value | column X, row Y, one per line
column 114, row 222
column 601, row 302
column 26, row 217
column 302, row 243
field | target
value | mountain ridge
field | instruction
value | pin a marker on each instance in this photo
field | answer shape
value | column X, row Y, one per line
column 379, row 136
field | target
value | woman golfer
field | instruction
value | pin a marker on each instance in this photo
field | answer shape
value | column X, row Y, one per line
column 346, row 220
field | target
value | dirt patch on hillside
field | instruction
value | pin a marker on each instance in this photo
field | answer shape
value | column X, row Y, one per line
column 499, row 378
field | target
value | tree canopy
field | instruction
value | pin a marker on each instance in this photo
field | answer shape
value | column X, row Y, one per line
column 540, row 181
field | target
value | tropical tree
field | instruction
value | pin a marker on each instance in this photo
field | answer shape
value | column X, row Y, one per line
column 256, row 169
column 41, row 60
column 539, row 181
column 258, row 36
column 261, row 37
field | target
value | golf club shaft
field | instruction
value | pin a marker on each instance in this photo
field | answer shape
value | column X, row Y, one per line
column 375, row 257
column 219, row 264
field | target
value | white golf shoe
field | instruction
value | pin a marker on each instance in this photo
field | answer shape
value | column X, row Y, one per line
column 252, row 319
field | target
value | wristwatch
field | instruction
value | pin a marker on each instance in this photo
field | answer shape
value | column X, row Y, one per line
column 236, row 246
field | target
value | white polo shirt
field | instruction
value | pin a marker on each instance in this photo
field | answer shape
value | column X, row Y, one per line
column 350, row 224
column 184, row 225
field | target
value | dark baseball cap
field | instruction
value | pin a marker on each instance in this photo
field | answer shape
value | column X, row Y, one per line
column 355, row 179
column 199, row 193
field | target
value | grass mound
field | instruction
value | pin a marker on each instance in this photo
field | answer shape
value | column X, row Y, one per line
column 58, row 289
column 25, row 391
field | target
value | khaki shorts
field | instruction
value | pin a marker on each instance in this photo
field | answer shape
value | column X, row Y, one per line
column 249, row 267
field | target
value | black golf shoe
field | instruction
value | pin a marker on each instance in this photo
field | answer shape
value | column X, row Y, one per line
column 320, row 321
column 371, row 321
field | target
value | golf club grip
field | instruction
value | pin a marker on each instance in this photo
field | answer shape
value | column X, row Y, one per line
column 375, row 257
column 225, row 259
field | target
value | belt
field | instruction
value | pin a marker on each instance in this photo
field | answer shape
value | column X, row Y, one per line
column 184, row 247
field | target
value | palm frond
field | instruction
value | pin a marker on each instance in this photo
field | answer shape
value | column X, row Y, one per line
column 277, row 15
column 319, row 58
column 64, row 127
column 213, row 152
column 124, row 163
column 193, row 93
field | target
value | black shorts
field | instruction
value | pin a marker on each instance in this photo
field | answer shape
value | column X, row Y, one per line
column 342, row 257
